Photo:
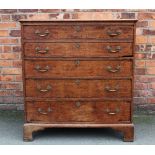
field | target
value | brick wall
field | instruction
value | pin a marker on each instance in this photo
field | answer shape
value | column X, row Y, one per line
column 11, row 95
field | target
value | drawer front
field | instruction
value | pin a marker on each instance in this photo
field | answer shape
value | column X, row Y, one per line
column 78, row 88
column 77, row 49
column 78, row 68
column 78, row 111
column 105, row 32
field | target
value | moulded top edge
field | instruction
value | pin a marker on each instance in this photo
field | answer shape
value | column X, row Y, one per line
column 81, row 20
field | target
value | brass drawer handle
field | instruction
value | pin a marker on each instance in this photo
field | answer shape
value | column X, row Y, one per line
column 38, row 50
column 114, row 33
column 48, row 88
column 107, row 88
column 42, row 34
column 110, row 50
column 110, row 69
column 117, row 110
column 39, row 69
column 77, row 45
column 41, row 111
column 77, row 28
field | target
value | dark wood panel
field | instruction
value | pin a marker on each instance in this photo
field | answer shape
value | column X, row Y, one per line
column 61, row 111
column 78, row 68
column 77, row 49
column 77, row 31
column 78, row 88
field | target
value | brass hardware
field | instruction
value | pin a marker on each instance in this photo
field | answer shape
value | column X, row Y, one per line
column 77, row 28
column 117, row 110
column 77, row 45
column 77, row 62
column 41, row 111
column 77, row 82
column 117, row 49
column 48, row 88
column 107, row 88
column 110, row 69
column 78, row 104
column 38, row 68
column 38, row 50
column 42, row 34
column 114, row 33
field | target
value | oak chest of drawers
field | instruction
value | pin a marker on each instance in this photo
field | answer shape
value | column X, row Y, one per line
column 78, row 74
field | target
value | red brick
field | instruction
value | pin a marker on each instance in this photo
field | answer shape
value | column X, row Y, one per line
column 9, row 56
column 39, row 16
column 5, row 18
column 142, row 78
column 18, row 78
column 141, row 39
column 17, row 63
column 6, row 49
column 140, row 55
column 28, row 10
column 93, row 15
column 128, row 15
column 140, row 86
column 5, row 63
column 6, row 77
column 50, row 10
column 11, row 71
column 66, row 16
column 146, row 15
column 140, row 71
column 8, row 41
column 150, row 63
column 141, row 93
column 10, row 11
column 3, row 33
column 53, row 15
column 140, row 63
column 151, row 100
column 10, row 85
column 140, row 100
column 7, row 25
column 150, row 70
column 15, row 33
column 151, row 78
column 148, row 32
column 18, row 17
column 142, row 24
column 143, row 48
column 10, row 93
column 16, row 49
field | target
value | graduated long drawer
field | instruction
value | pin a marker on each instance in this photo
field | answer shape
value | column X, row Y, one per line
column 79, row 88
column 77, row 49
column 78, row 68
column 78, row 111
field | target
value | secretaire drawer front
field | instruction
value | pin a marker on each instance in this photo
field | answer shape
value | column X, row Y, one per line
column 78, row 49
column 78, row 88
column 78, row 68
column 78, row 111
column 105, row 32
